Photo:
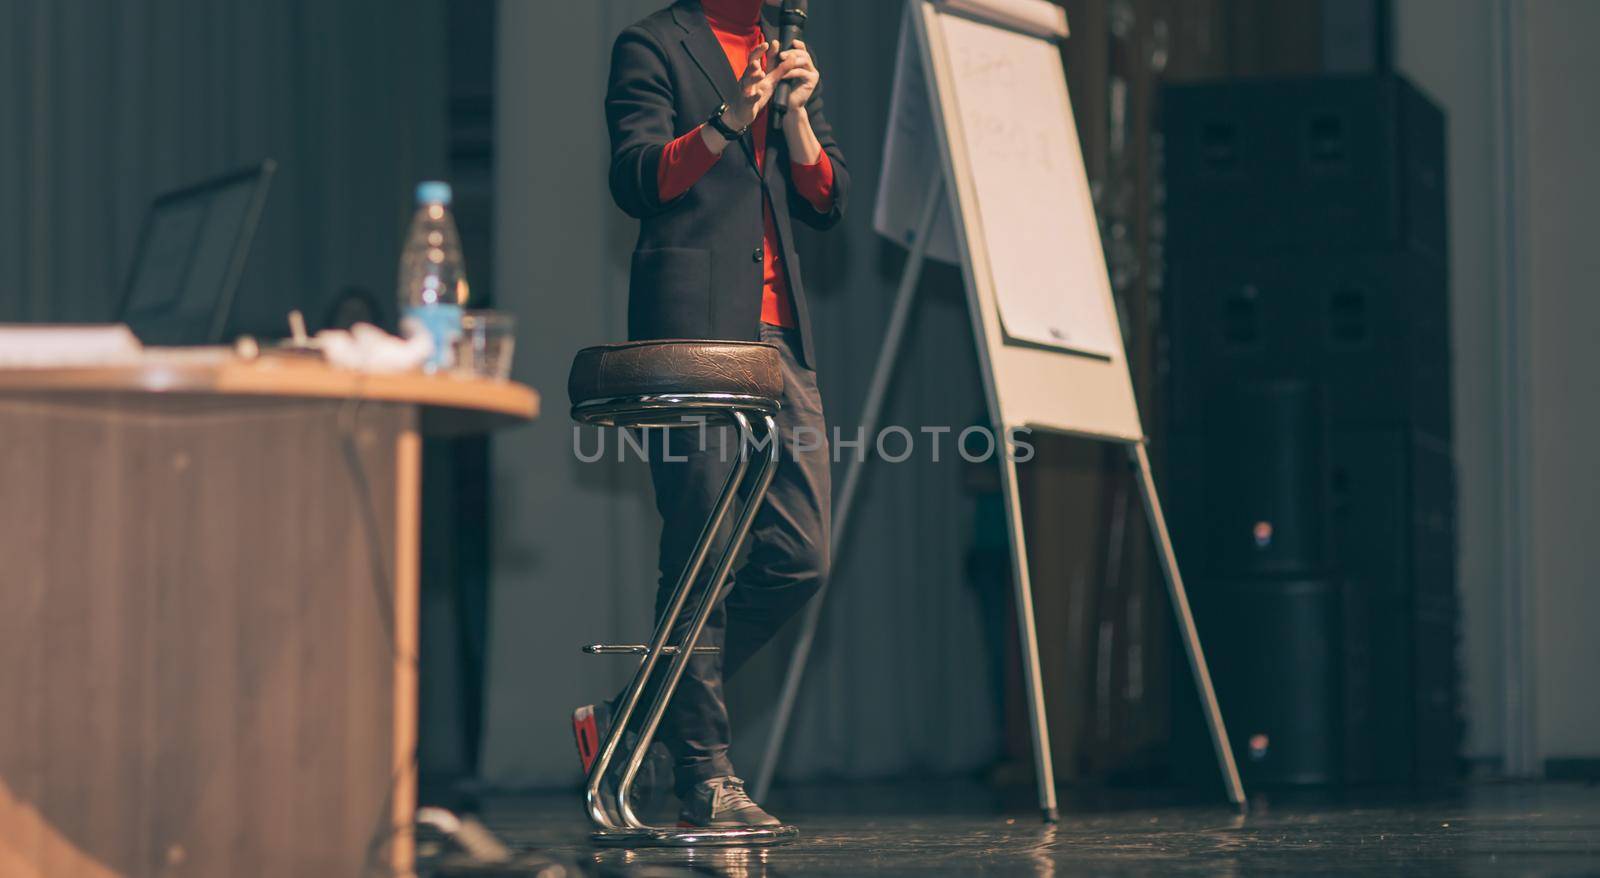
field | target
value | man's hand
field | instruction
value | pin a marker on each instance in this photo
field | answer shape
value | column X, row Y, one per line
column 802, row 75
column 803, row 145
column 756, row 85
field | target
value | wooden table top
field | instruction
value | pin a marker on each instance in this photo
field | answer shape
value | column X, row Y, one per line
column 450, row 404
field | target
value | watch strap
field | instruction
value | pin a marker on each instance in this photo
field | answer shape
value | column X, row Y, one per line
column 721, row 127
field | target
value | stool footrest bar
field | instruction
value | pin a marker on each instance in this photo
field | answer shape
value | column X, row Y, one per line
column 641, row 649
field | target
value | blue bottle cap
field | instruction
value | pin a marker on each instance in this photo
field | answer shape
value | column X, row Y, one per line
column 433, row 192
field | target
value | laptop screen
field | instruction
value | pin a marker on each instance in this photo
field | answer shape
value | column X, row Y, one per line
column 190, row 256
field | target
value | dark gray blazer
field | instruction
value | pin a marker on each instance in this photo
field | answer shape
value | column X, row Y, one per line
column 697, row 268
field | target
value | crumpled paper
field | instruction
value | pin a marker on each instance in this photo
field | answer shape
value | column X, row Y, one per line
column 366, row 348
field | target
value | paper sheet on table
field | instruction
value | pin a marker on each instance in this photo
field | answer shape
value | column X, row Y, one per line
column 44, row 346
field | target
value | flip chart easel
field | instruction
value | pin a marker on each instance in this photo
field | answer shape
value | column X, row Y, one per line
column 982, row 167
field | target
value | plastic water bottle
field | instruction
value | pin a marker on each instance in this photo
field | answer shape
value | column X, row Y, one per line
column 433, row 276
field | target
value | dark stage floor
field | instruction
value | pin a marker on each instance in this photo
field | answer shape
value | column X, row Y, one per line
column 958, row 829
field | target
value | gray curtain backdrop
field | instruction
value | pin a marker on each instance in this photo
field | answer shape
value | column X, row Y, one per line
column 900, row 679
column 106, row 103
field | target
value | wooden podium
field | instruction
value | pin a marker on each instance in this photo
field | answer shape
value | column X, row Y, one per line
column 208, row 614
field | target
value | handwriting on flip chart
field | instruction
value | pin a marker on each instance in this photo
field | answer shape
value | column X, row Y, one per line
column 1036, row 217
column 995, row 127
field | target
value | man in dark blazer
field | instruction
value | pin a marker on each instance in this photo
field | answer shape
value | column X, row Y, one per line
column 717, row 187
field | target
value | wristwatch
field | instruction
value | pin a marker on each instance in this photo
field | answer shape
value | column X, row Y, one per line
column 722, row 127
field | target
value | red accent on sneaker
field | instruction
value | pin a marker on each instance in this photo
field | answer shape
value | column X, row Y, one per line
column 587, row 734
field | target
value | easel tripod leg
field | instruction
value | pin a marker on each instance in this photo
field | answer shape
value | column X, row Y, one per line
column 1186, row 626
column 1028, row 636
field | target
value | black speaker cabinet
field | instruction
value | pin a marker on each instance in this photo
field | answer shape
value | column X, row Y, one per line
column 1369, row 328
column 1249, row 499
column 1263, row 164
column 1275, row 659
column 1348, row 670
column 1391, row 502
column 1308, row 437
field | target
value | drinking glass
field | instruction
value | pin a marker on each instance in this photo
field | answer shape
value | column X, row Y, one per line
column 486, row 344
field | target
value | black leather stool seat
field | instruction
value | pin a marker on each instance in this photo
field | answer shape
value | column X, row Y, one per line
column 675, row 367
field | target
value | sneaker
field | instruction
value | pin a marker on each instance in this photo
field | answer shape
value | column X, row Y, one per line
column 721, row 803
column 590, row 725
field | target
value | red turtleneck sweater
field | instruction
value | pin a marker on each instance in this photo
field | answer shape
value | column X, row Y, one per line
column 737, row 24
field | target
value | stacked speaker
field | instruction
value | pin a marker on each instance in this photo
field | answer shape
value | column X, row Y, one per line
column 1308, row 440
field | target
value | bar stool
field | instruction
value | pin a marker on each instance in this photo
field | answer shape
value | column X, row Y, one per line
column 676, row 384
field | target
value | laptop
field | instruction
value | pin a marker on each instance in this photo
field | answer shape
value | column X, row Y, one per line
column 190, row 257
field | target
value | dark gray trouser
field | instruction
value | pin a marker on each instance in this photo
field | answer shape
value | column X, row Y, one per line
column 785, row 562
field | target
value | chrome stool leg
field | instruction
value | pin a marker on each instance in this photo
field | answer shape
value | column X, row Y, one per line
column 633, row 831
column 658, row 645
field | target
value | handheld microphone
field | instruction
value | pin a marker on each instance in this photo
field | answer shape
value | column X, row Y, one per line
column 791, row 25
